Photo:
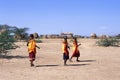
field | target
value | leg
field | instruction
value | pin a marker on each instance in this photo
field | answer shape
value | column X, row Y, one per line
column 32, row 58
column 31, row 63
column 77, row 59
column 64, row 58
column 71, row 59
column 65, row 62
column 78, row 55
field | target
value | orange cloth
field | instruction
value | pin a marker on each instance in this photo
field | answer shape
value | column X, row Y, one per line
column 64, row 47
column 32, row 46
column 75, row 47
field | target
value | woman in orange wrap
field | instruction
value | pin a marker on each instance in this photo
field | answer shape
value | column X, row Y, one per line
column 65, row 50
column 76, row 52
column 32, row 49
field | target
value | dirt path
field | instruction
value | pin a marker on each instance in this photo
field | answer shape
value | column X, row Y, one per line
column 97, row 63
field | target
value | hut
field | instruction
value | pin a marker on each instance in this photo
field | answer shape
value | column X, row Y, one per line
column 93, row 36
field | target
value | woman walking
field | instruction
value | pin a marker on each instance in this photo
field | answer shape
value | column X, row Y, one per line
column 76, row 52
column 65, row 51
column 32, row 49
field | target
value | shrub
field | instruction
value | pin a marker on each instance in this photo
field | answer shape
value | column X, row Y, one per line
column 118, row 36
column 109, row 42
column 38, row 41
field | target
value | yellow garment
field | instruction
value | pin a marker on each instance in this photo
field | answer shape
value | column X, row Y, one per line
column 75, row 47
column 32, row 46
column 64, row 47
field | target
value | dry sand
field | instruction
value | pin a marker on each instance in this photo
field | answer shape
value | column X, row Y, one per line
column 97, row 63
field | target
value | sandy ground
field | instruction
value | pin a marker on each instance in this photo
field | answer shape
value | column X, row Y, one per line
column 97, row 63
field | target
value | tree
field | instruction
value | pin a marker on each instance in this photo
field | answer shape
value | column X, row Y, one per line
column 7, row 39
column 6, row 42
column 18, row 33
column 21, row 33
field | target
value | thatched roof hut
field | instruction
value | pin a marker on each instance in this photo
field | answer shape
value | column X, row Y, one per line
column 93, row 35
column 36, row 35
column 103, row 36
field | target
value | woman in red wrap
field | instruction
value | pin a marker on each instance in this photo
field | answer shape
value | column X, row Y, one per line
column 32, row 49
column 76, row 52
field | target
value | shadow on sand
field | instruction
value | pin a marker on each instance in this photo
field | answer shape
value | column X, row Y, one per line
column 59, row 65
column 12, row 57
column 47, row 65
column 77, row 64
column 87, row 61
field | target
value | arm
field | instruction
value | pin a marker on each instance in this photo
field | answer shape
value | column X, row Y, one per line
column 79, row 44
column 38, row 47
column 27, row 43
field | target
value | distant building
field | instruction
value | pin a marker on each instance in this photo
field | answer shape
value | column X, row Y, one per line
column 103, row 36
column 93, row 35
column 67, row 34
column 59, row 36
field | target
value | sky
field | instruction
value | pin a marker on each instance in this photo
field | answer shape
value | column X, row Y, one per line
column 81, row 17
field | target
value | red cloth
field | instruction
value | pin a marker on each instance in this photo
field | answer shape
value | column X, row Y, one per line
column 76, row 54
column 32, row 56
